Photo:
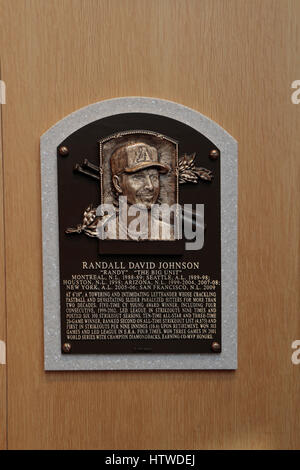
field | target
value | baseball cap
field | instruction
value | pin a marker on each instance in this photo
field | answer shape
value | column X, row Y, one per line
column 131, row 158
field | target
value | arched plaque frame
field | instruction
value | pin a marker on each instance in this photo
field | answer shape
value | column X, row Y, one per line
column 54, row 359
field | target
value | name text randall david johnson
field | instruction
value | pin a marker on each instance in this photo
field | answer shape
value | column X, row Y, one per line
column 94, row 265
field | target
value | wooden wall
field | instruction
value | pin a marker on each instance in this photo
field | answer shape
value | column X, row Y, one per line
column 3, row 401
column 232, row 60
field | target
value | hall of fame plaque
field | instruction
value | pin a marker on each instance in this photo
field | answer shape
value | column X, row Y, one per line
column 139, row 204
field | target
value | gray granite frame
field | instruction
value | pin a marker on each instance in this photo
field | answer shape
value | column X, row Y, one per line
column 54, row 359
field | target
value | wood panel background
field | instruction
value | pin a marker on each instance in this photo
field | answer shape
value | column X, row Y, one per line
column 233, row 61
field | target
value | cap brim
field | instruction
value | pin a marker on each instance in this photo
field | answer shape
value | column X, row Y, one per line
column 142, row 166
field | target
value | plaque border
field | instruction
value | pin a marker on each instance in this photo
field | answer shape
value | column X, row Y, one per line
column 53, row 357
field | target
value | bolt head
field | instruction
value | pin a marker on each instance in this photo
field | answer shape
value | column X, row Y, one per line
column 214, row 154
column 67, row 347
column 63, row 150
column 216, row 347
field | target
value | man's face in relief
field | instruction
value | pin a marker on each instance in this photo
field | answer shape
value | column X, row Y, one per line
column 141, row 187
column 136, row 173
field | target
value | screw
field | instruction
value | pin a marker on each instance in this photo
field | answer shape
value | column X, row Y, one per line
column 214, row 154
column 216, row 347
column 66, row 347
column 63, row 151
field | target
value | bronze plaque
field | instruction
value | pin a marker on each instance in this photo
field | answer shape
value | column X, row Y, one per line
column 139, row 238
